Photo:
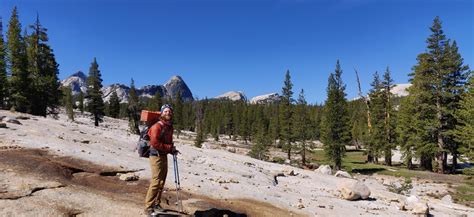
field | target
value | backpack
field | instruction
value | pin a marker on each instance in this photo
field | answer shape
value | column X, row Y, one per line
column 143, row 148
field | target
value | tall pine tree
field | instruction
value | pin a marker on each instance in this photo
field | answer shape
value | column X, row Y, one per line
column 286, row 113
column 18, row 65
column 335, row 131
column 464, row 132
column 94, row 94
column 114, row 105
column 4, row 94
column 133, row 109
column 44, row 72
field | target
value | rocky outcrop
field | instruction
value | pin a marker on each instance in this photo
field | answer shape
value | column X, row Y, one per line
column 176, row 84
column 121, row 90
column 342, row 174
column 77, row 82
column 233, row 96
column 266, row 99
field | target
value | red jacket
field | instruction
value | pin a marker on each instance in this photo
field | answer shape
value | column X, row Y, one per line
column 165, row 144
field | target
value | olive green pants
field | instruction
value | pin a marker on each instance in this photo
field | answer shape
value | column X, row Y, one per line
column 159, row 169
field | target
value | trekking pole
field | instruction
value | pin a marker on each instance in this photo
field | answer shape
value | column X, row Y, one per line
column 176, row 181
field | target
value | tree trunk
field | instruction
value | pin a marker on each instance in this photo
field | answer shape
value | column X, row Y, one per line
column 440, row 156
column 409, row 164
column 388, row 156
column 96, row 121
column 303, row 156
column 425, row 162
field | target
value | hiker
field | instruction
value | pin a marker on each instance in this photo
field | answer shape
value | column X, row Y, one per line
column 161, row 144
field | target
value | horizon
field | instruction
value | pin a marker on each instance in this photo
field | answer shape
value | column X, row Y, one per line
column 211, row 42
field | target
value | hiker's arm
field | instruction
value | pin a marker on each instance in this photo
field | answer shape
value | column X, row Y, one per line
column 154, row 134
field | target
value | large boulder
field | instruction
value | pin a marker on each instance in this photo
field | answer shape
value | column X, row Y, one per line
column 324, row 169
column 342, row 174
column 354, row 190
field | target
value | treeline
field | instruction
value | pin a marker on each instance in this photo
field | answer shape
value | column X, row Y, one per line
column 28, row 69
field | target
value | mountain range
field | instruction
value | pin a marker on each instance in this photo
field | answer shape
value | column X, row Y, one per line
column 78, row 83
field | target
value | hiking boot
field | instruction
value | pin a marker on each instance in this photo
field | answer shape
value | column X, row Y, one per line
column 158, row 208
column 149, row 211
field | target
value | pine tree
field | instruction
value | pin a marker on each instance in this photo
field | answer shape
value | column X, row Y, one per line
column 334, row 124
column 464, row 132
column 114, row 105
column 286, row 113
column 18, row 65
column 438, row 79
column 133, row 109
column 68, row 102
column 261, row 142
column 178, row 114
column 4, row 95
column 155, row 102
column 44, row 72
column 80, row 99
column 198, row 106
column 407, row 130
column 377, row 133
column 94, row 94
column 301, row 128
column 389, row 119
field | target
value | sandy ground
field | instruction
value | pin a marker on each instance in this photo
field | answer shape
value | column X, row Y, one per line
column 54, row 167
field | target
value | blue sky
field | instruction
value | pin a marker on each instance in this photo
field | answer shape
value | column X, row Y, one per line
column 223, row 45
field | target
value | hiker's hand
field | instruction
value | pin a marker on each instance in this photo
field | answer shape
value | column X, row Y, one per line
column 175, row 151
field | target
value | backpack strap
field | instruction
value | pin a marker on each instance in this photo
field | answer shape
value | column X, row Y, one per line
column 161, row 138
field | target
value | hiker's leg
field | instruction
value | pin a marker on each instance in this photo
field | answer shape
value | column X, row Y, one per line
column 153, row 188
column 163, row 171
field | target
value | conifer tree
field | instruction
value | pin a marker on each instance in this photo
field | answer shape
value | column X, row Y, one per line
column 4, row 93
column 377, row 133
column 438, row 79
column 18, row 65
column 155, row 102
column 407, row 130
column 261, row 142
column 80, row 99
column 133, row 109
column 286, row 113
column 199, row 124
column 334, row 124
column 464, row 132
column 94, row 94
column 301, row 128
column 114, row 105
column 68, row 102
column 44, row 72
column 389, row 117
column 178, row 114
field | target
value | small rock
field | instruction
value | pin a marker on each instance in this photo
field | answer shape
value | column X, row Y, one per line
column 421, row 209
column 300, row 206
column 129, row 177
column 402, row 206
column 287, row 161
column 3, row 125
column 13, row 121
column 231, row 149
column 342, row 174
column 447, row 199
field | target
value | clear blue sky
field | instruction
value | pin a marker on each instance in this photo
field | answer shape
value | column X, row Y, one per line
column 223, row 45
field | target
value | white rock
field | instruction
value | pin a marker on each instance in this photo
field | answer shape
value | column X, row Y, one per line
column 353, row 190
column 411, row 200
column 324, row 169
column 447, row 199
column 231, row 149
column 129, row 177
column 421, row 209
column 342, row 174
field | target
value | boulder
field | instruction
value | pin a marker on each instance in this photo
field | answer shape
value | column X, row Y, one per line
column 324, row 169
column 129, row 177
column 421, row 209
column 342, row 174
column 447, row 199
column 11, row 120
column 231, row 149
column 354, row 190
column 411, row 201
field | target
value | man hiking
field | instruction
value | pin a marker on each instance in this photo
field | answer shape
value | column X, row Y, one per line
column 161, row 144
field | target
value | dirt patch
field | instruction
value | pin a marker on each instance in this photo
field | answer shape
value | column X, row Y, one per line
column 102, row 180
